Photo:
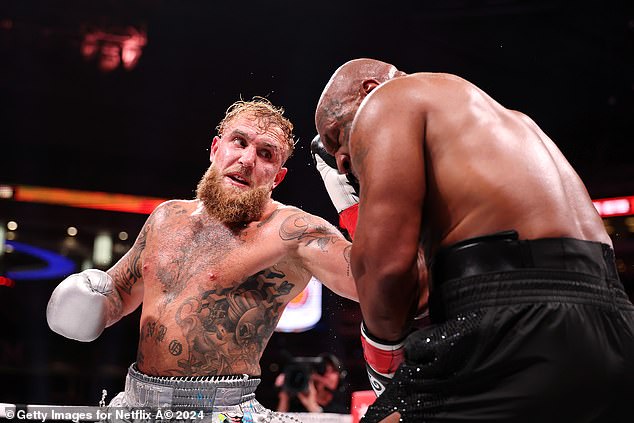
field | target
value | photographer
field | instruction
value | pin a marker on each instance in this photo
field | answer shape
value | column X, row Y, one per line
column 312, row 384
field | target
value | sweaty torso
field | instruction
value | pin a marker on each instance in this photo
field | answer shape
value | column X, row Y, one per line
column 213, row 296
column 491, row 169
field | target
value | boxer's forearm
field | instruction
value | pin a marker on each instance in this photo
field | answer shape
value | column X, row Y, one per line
column 337, row 274
column 115, row 307
column 386, row 273
column 388, row 300
column 387, row 309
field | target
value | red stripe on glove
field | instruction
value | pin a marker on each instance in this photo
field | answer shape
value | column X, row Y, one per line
column 384, row 361
column 348, row 219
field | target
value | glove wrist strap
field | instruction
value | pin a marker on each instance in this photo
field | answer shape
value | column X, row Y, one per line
column 383, row 357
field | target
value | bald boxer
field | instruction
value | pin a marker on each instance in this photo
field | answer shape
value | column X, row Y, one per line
column 214, row 275
column 530, row 320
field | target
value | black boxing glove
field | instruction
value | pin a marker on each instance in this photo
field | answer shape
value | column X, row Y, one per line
column 343, row 190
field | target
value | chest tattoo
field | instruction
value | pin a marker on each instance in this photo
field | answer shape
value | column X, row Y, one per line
column 228, row 327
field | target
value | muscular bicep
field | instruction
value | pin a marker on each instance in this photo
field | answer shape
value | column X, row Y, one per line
column 387, row 149
column 322, row 251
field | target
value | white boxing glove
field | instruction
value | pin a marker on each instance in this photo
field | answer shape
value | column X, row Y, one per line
column 343, row 190
column 78, row 308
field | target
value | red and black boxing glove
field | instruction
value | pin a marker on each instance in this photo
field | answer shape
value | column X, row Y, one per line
column 382, row 358
column 342, row 189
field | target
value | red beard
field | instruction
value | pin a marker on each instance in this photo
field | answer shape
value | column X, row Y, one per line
column 228, row 206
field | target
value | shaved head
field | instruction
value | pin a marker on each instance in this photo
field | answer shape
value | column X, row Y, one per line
column 345, row 91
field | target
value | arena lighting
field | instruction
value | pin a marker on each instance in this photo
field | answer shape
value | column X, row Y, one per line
column 102, row 249
column 607, row 207
column 3, row 238
column 114, row 47
column 86, row 199
column 617, row 206
column 304, row 311
column 6, row 191
column 57, row 266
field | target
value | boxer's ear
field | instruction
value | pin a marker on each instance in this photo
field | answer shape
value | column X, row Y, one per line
column 279, row 177
column 214, row 148
column 369, row 85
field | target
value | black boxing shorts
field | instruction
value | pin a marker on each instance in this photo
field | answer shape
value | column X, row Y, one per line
column 523, row 331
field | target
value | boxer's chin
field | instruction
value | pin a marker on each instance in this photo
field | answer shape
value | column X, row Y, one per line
column 231, row 207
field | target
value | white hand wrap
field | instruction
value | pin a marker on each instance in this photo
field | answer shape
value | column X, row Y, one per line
column 341, row 193
column 78, row 308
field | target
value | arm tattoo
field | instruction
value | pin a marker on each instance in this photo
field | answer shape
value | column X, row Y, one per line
column 132, row 271
column 229, row 327
column 115, row 307
column 346, row 256
column 302, row 227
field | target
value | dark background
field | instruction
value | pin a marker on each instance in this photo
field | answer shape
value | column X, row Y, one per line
column 146, row 131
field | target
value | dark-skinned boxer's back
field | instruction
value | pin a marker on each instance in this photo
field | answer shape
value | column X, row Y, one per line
column 524, row 331
column 531, row 325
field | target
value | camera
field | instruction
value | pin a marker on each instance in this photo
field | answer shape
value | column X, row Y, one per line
column 298, row 370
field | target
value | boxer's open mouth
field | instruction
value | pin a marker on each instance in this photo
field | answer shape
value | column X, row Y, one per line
column 238, row 179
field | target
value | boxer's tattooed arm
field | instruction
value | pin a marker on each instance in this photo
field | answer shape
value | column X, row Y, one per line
column 115, row 308
column 125, row 274
column 129, row 271
column 226, row 329
column 309, row 230
column 346, row 256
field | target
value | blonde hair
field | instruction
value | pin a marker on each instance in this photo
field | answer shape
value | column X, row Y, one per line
column 266, row 114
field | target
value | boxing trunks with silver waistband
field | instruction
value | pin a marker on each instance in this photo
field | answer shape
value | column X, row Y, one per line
column 194, row 399
column 522, row 331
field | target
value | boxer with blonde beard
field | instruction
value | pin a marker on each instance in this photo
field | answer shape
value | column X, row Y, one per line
column 214, row 275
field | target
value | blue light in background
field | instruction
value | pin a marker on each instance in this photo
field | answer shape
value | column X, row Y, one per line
column 57, row 266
